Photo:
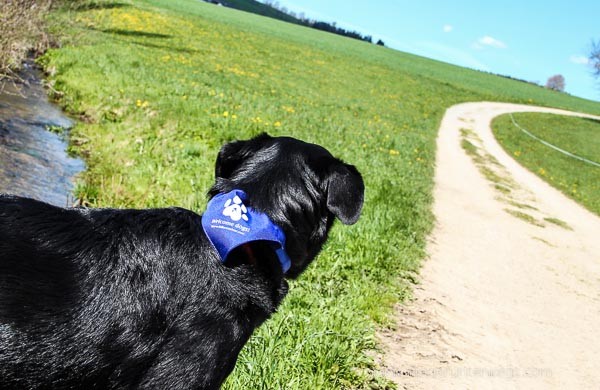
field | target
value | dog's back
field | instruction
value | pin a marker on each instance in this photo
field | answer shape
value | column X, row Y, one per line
column 38, row 283
column 37, row 272
column 90, row 297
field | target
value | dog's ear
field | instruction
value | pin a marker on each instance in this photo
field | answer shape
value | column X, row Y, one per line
column 234, row 153
column 230, row 156
column 345, row 192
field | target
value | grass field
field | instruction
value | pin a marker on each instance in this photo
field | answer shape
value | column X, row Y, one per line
column 577, row 179
column 160, row 85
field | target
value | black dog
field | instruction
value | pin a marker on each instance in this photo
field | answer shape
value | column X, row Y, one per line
column 122, row 299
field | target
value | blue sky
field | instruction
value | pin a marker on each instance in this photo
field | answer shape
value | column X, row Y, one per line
column 530, row 40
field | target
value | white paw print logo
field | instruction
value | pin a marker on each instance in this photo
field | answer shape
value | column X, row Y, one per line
column 235, row 209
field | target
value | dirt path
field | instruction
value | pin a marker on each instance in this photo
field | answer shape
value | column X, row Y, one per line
column 503, row 303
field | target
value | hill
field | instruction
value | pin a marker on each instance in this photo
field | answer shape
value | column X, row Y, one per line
column 160, row 85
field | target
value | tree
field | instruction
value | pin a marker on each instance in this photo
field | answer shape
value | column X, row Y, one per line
column 556, row 83
column 595, row 58
column 380, row 43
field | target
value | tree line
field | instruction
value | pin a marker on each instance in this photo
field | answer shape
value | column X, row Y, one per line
column 320, row 25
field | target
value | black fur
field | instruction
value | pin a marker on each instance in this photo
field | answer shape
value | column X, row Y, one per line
column 124, row 299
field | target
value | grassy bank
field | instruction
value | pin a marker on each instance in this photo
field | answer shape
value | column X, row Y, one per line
column 23, row 31
column 577, row 179
column 160, row 85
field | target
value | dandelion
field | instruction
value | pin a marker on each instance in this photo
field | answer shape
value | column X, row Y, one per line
column 517, row 153
column 393, row 152
column 277, row 124
column 225, row 114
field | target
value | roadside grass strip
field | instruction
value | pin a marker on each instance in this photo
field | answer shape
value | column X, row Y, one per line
column 548, row 144
column 578, row 179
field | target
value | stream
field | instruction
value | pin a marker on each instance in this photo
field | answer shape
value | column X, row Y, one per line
column 33, row 158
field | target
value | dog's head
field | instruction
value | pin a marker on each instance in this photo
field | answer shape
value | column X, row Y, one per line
column 300, row 186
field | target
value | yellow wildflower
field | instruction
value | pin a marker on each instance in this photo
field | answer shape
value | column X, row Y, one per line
column 140, row 103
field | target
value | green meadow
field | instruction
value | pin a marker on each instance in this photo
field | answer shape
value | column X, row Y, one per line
column 581, row 137
column 159, row 85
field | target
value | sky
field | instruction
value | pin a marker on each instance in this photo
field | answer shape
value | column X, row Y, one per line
column 526, row 39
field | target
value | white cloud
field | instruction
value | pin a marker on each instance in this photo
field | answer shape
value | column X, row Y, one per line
column 490, row 42
column 580, row 60
column 447, row 28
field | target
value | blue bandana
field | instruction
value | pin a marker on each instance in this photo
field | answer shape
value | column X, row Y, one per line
column 228, row 223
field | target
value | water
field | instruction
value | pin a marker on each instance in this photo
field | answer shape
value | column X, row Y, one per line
column 33, row 161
